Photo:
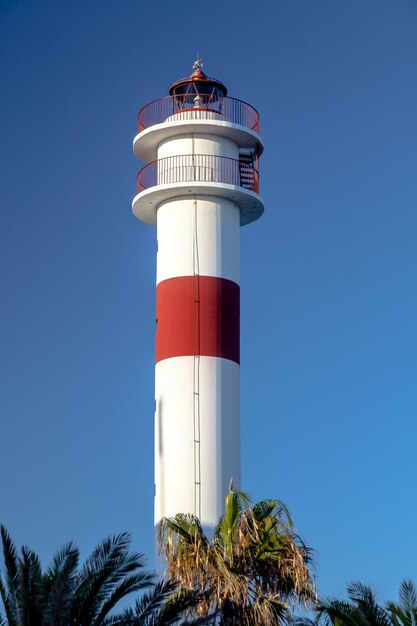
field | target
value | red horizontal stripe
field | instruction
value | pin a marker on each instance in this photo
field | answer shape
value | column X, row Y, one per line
column 197, row 315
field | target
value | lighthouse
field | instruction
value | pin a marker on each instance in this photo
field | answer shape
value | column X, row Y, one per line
column 199, row 185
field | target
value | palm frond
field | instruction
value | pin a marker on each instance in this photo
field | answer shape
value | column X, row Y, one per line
column 11, row 567
column 8, row 604
column 408, row 596
column 275, row 509
column 159, row 607
column 134, row 582
column 245, row 499
column 152, row 601
column 223, row 533
column 173, row 609
column 365, row 599
column 184, row 526
column 361, row 594
column 333, row 612
column 108, row 564
column 397, row 615
column 408, row 601
column 66, row 558
column 29, row 594
column 58, row 582
column 404, row 612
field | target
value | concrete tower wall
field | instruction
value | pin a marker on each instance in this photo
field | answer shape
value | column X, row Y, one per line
column 196, row 389
column 198, row 235
column 199, row 143
column 197, row 399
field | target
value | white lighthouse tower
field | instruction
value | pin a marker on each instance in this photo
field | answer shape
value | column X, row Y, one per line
column 199, row 186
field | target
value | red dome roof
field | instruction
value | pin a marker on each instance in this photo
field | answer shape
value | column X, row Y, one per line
column 201, row 83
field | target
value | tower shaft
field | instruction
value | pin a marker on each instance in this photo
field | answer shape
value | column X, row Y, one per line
column 199, row 187
column 197, row 439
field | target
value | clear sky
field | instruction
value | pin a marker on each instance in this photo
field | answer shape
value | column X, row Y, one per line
column 328, row 281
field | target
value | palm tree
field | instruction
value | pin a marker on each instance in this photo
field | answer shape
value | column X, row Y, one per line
column 404, row 613
column 66, row 595
column 362, row 608
column 252, row 572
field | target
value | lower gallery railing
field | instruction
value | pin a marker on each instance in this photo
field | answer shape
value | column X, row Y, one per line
column 205, row 168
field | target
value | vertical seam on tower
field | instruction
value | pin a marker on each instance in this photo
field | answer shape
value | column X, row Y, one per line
column 196, row 368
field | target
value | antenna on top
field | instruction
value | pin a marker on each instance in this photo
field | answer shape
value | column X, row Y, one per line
column 198, row 63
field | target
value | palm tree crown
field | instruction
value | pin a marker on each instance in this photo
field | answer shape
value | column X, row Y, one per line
column 404, row 612
column 66, row 595
column 362, row 608
column 255, row 568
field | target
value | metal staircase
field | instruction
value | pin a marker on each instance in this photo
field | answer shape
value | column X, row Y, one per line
column 246, row 168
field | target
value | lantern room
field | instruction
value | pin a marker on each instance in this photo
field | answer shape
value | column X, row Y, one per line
column 198, row 91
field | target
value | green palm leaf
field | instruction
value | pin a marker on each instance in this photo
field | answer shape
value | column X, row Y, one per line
column 29, row 592
column 185, row 526
column 58, row 583
column 274, row 508
column 405, row 611
column 108, row 565
column 8, row 607
column 9, row 588
column 134, row 582
column 365, row 599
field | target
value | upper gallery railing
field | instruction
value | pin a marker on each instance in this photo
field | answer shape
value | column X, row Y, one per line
column 203, row 106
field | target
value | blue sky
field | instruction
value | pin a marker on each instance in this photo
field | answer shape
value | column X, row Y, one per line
column 328, row 283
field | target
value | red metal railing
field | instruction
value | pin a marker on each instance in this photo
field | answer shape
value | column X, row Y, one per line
column 205, row 168
column 203, row 107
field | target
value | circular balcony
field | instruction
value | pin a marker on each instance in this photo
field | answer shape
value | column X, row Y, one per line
column 198, row 174
column 173, row 108
column 168, row 117
column 206, row 168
